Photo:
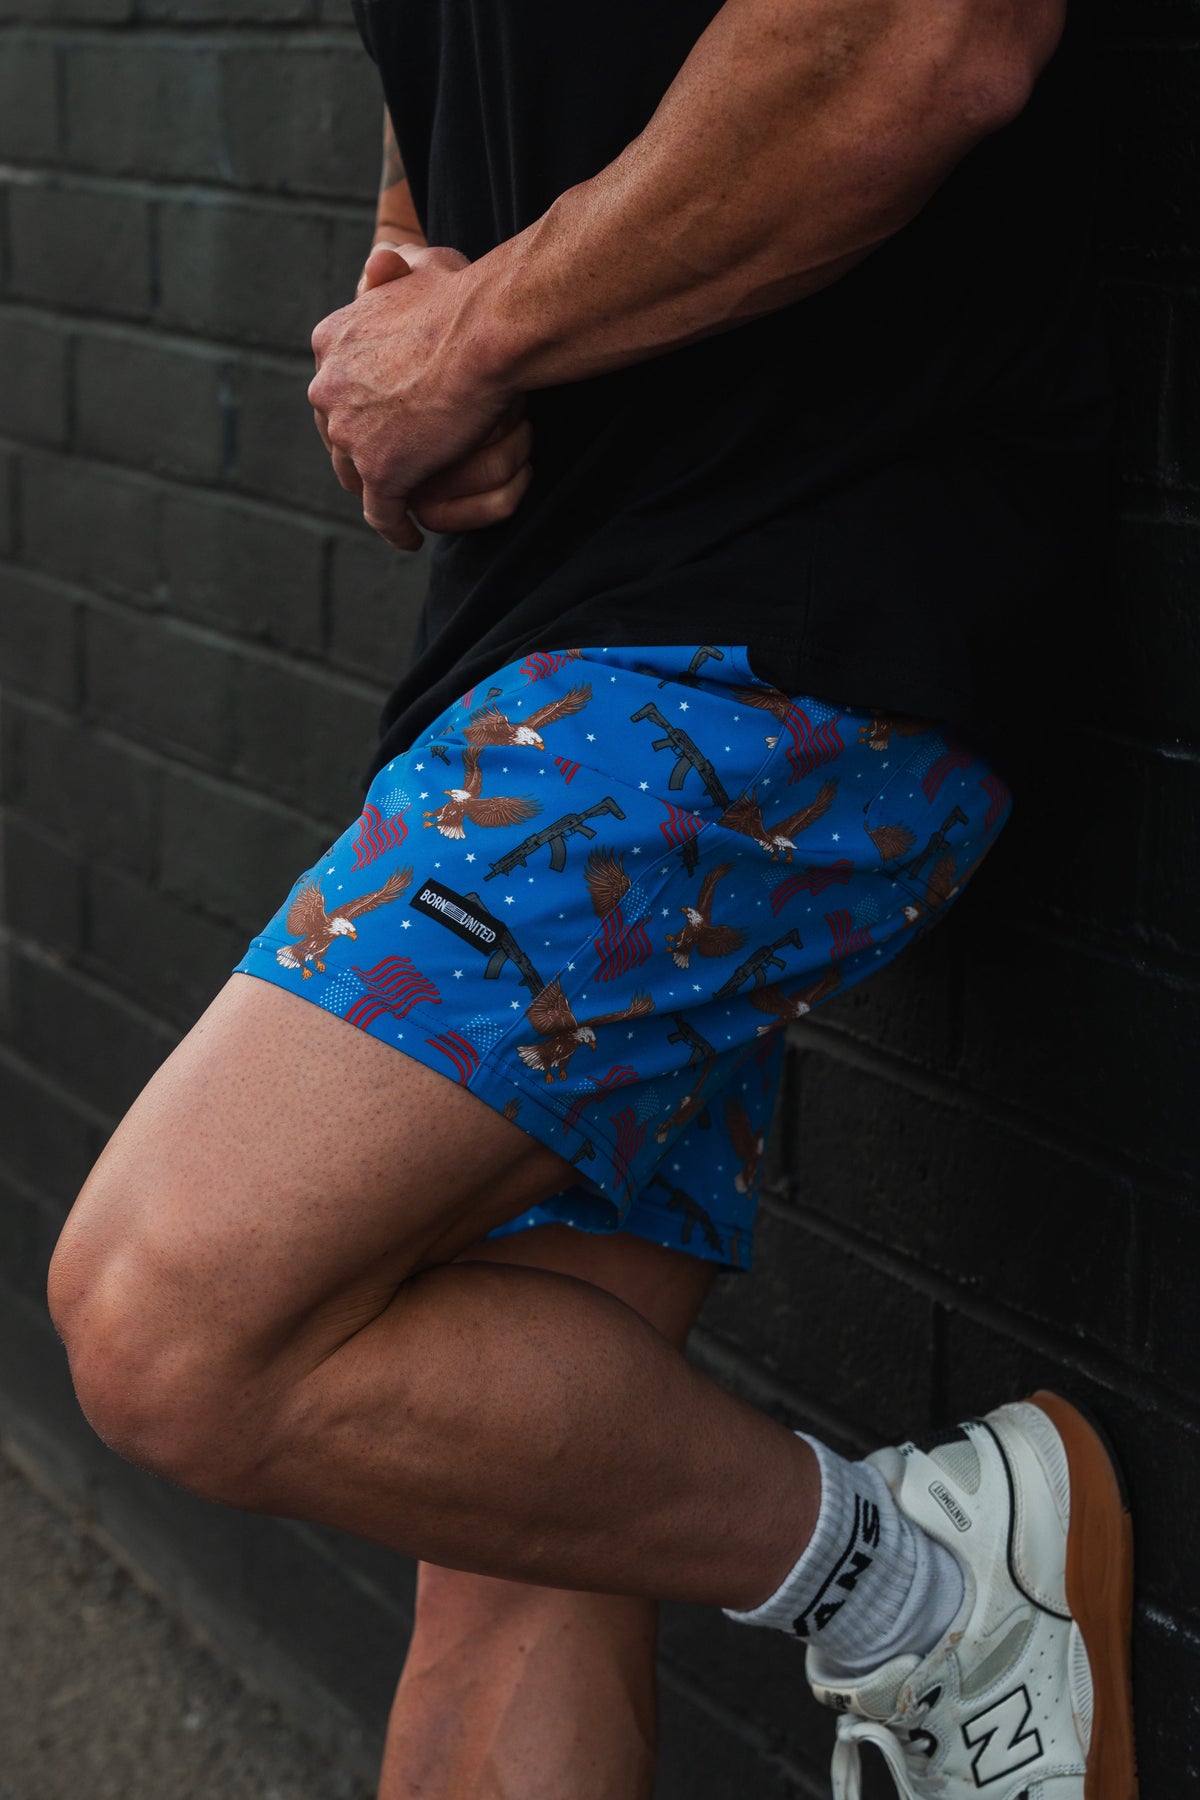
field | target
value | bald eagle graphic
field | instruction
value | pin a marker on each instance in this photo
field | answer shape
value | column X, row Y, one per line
column 747, row 1143
column 562, row 1034
column 767, row 699
column 308, row 920
column 745, row 815
column 691, row 1104
column 783, row 1007
column 697, row 932
column 882, row 729
column 891, row 840
column 466, row 802
column 488, row 725
column 938, row 889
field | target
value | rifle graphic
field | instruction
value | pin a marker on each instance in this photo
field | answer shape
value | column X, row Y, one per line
column 440, row 751
column 689, row 676
column 764, row 958
column 556, row 836
column 585, row 1153
column 685, row 1033
column 693, row 1214
column 688, row 756
column 508, row 950
column 937, row 842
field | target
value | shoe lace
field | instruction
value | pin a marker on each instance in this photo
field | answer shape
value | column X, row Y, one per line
column 846, row 1771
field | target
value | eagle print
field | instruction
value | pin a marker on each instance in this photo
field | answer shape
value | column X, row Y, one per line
column 891, row 840
column 880, row 729
column 779, row 839
column 562, row 1034
column 747, row 1143
column 938, row 889
column 624, row 942
column 467, row 802
column 698, row 932
column 488, row 725
column 316, row 928
column 784, row 1007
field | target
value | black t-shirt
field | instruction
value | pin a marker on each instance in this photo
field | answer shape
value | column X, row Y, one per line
column 891, row 491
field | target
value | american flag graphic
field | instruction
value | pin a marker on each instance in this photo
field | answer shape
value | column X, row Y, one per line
column 566, row 768
column 847, row 936
column 467, row 698
column 623, row 942
column 377, row 833
column 680, row 824
column 463, row 1055
column 391, row 986
column 485, row 1030
column 620, row 1075
column 543, row 663
column 629, row 1126
column 935, row 761
column 814, row 740
column 812, row 880
column 998, row 797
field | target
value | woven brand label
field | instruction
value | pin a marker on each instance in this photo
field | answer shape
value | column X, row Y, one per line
column 460, row 913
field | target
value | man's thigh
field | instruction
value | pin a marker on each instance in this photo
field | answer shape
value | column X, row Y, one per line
column 279, row 1177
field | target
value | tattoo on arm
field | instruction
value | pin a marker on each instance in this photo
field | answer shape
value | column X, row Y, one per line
column 393, row 168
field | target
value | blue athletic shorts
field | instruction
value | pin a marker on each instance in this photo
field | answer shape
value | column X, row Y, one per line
column 598, row 886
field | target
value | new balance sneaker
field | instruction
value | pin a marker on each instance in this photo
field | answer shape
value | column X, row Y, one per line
column 1027, row 1696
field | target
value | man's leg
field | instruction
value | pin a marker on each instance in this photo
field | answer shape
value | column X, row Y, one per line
column 257, row 1293
column 510, row 1689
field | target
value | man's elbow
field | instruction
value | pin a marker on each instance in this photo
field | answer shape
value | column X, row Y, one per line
column 1000, row 52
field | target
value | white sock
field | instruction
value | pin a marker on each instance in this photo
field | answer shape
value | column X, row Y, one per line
column 870, row 1584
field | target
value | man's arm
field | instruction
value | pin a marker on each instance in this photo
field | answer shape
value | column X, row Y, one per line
column 395, row 215
column 797, row 136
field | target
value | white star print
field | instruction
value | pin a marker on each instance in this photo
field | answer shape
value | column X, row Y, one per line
column 591, row 737
column 424, row 794
column 643, row 785
column 458, row 974
column 329, row 870
column 516, row 1005
column 837, row 837
column 470, row 856
column 509, row 898
column 418, row 767
column 683, row 706
column 405, row 924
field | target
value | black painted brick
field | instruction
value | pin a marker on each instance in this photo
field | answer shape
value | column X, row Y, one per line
column 910, row 1008
column 82, row 12
column 703, row 1754
column 963, row 1196
column 89, row 523
column 28, row 100
column 1150, row 173
column 150, row 678
column 155, row 949
column 255, row 273
column 279, row 450
column 29, row 1229
column 304, row 739
column 204, row 12
column 1138, row 317
column 8, row 502
column 230, row 853
column 46, row 1141
column 827, row 1323
column 83, row 1036
column 320, row 133
column 1174, row 1336
column 1150, row 632
column 1173, row 859
column 43, row 887
column 1166, row 1666
column 376, row 594
column 167, row 121
column 78, row 248
column 244, row 570
column 350, row 246
column 33, row 394
column 1184, row 439
column 1093, row 1047
column 39, row 636
column 97, row 795
column 154, row 405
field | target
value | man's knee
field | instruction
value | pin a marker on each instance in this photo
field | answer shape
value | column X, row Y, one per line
column 149, row 1379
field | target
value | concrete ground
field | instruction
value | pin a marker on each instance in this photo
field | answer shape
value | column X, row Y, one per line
column 105, row 1696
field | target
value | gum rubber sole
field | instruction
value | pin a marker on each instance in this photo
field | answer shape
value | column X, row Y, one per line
column 1100, row 1594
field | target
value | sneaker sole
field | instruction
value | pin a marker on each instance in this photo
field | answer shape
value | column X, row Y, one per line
column 1100, row 1593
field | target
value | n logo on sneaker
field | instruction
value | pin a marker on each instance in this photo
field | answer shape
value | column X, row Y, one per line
column 1004, row 1744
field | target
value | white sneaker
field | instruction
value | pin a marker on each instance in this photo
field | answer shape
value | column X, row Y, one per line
column 1027, row 1697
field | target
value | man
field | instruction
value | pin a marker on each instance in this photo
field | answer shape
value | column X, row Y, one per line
column 750, row 374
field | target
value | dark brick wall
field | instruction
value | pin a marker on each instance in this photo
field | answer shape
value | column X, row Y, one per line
column 984, row 1172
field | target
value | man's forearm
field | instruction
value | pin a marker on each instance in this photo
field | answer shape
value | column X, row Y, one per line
column 798, row 135
column 395, row 215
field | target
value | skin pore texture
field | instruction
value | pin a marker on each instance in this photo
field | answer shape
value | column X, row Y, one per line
column 270, row 1287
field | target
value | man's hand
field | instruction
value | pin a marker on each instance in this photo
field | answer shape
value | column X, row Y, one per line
column 406, row 423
